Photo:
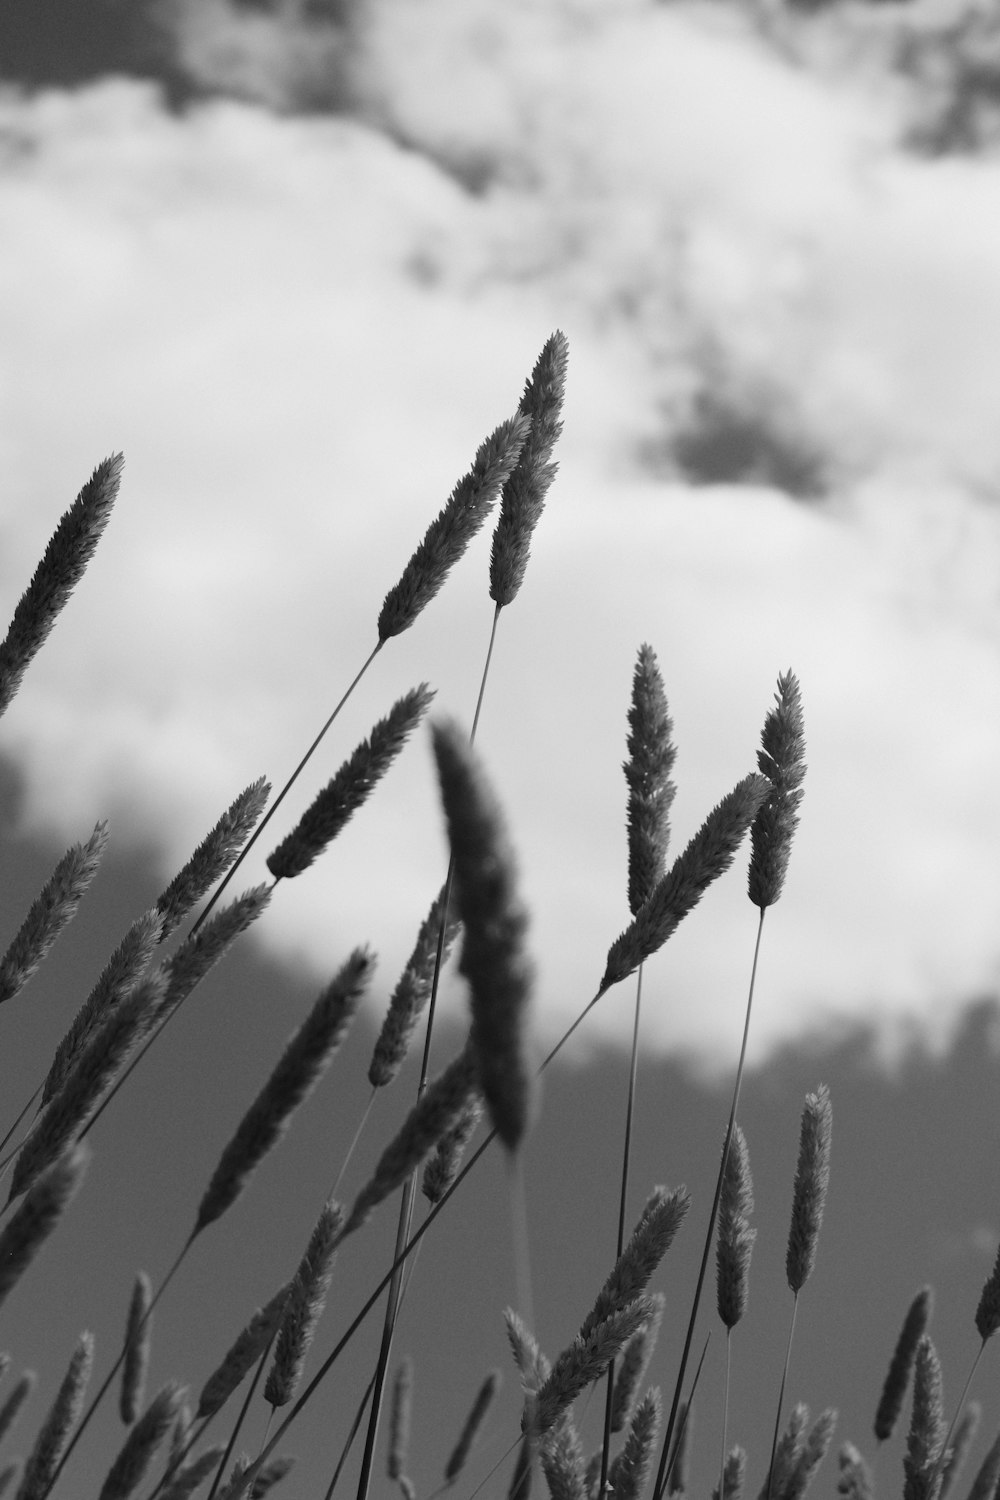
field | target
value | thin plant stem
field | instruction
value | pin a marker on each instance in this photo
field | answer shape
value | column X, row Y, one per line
column 658, row 1488
column 281, row 795
column 16, row 1123
column 781, row 1395
column 237, row 1425
column 687, row 1409
column 622, row 1203
column 519, row 1238
column 942, row 1457
column 410, row 1188
column 349, row 1442
column 725, row 1415
column 353, row 1146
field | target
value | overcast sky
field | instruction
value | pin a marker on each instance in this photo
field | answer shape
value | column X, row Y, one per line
column 297, row 270
column 299, row 328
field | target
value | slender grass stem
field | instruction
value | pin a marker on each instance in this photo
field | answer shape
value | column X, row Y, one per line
column 14, row 1126
column 658, row 1488
column 622, row 1205
column 349, row 1441
column 238, row 1424
column 942, row 1457
column 353, row 1146
column 725, row 1415
column 781, row 1396
column 281, row 796
column 410, row 1188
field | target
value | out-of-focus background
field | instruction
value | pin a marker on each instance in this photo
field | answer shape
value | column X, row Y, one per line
column 296, row 260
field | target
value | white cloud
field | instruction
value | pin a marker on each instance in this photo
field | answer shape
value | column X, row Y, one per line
column 300, row 329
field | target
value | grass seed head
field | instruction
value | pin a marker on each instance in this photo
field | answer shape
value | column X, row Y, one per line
column 812, row 1179
column 988, row 1311
column 927, row 1424
column 651, row 755
column 453, row 528
column 53, row 1436
column 782, row 760
column 138, row 1338
column 707, row 856
column 297, row 1072
column 523, row 497
column 897, row 1379
column 735, row 1241
column 493, row 957
column 304, row 1306
column 67, row 554
column 49, row 913
column 213, row 856
column 353, row 784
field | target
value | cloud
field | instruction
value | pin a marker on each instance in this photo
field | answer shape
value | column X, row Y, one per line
column 300, row 328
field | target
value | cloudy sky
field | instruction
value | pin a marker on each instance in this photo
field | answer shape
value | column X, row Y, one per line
column 298, row 261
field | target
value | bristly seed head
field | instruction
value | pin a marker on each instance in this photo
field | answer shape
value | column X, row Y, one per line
column 901, row 1365
column 523, row 497
column 812, row 1178
column 651, row 755
column 988, row 1311
column 706, row 857
column 352, row 785
column 782, row 760
column 734, row 1245
column 453, row 528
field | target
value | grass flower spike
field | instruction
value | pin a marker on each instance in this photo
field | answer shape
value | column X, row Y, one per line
column 249, row 1346
column 988, row 1311
column 411, row 994
column 782, row 760
column 451, row 531
column 493, row 957
column 49, row 913
column 523, row 496
column 662, row 1216
column 630, row 1470
column 138, row 1336
column 213, row 856
column 34, row 1220
column 651, row 756
column 304, row 1306
column 70, row 549
column 901, row 1365
column 399, row 1425
column 706, row 857
column 120, row 975
column 812, row 1178
column 927, row 1426
column 63, row 1414
column 435, row 1112
column 485, row 1397
column 734, row 1245
column 351, row 786
column 148, row 1435
column 297, row 1072
column 585, row 1361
